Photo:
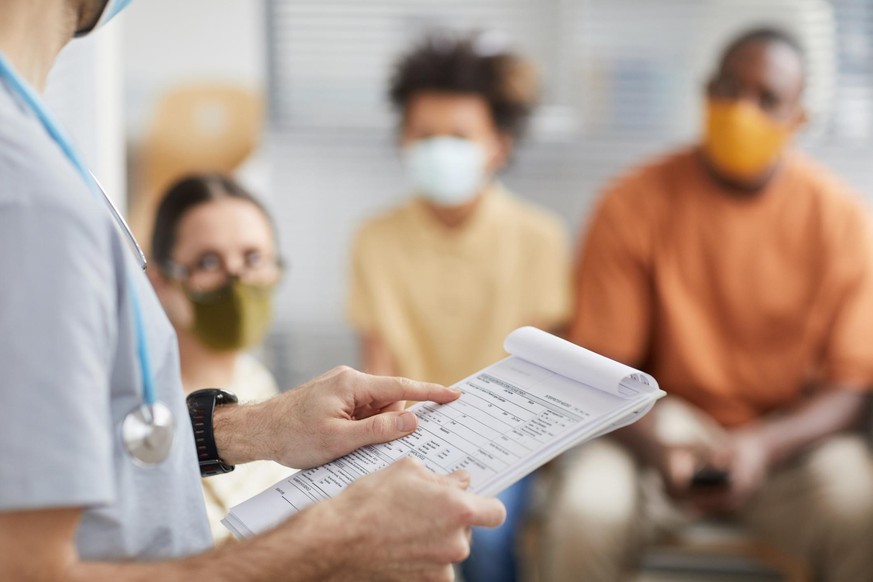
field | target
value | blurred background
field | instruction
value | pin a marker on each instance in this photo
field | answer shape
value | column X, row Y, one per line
column 290, row 96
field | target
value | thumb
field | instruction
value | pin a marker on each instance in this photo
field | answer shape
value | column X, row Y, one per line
column 383, row 427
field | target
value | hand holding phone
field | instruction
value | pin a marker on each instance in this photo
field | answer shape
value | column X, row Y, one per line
column 709, row 477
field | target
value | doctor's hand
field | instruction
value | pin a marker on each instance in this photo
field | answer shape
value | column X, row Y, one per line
column 332, row 415
column 402, row 523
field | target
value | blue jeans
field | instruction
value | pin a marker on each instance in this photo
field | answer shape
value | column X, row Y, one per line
column 493, row 557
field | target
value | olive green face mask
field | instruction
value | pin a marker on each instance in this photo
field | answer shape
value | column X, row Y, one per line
column 234, row 317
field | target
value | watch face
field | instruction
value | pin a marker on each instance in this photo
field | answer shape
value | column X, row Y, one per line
column 226, row 397
column 206, row 396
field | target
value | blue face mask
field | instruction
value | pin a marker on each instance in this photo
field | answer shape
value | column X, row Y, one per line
column 110, row 10
column 448, row 171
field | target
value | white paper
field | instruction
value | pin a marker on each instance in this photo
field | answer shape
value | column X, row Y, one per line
column 577, row 363
column 511, row 418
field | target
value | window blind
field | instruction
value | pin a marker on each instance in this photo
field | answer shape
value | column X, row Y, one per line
column 622, row 80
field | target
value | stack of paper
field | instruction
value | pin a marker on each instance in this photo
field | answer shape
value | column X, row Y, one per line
column 548, row 396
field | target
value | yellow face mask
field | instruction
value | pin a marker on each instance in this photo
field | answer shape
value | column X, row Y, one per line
column 740, row 140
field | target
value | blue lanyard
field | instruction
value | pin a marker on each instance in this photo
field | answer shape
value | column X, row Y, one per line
column 32, row 100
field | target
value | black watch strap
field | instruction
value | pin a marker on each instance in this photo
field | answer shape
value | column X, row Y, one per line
column 201, row 406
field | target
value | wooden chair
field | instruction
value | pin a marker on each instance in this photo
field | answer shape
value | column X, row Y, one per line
column 716, row 548
column 705, row 550
column 196, row 128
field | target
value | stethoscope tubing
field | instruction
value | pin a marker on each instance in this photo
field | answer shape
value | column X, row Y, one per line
column 34, row 103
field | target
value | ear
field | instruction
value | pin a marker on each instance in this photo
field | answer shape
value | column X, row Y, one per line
column 400, row 136
column 173, row 300
column 502, row 150
column 157, row 279
column 801, row 118
column 401, row 133
column 163, row 287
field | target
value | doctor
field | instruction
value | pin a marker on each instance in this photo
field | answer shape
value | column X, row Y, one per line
column 99, row 479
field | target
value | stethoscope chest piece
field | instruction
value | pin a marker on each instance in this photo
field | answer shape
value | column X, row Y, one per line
column 147, row 432
column 148, row 429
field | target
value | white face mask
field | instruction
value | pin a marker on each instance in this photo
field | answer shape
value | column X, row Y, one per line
column 110, row 10
column 448, row 171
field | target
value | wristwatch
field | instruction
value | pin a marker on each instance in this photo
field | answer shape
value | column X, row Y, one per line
column 201, row 406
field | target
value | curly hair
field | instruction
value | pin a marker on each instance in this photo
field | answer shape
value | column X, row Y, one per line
column 505, row 81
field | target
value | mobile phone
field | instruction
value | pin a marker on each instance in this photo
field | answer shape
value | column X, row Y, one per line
column 710, row 478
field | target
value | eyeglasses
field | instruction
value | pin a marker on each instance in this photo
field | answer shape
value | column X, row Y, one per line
column 210, row 271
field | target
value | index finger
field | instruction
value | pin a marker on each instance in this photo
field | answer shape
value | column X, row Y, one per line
column 385, row 390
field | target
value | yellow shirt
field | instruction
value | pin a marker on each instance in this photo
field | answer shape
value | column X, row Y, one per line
column 736, row 304
column 443, row 299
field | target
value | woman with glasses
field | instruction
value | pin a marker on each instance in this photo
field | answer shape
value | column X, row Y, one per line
column 218, row 265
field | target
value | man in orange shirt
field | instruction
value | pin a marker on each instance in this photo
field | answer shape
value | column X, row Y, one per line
column 740, row 274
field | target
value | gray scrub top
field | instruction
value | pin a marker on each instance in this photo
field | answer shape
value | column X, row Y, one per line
column 69, row 371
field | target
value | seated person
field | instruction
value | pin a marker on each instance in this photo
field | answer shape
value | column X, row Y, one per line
column 438, row 282
column 740, row 274
column 217, row 257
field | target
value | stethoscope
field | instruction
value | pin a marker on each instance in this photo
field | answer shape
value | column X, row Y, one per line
column 147, row 431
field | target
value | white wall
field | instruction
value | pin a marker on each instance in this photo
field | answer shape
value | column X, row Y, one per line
column 168, row 42
column 84, row 93
column 325, row 180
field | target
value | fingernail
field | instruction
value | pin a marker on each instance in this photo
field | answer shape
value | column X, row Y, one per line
column 405, row 422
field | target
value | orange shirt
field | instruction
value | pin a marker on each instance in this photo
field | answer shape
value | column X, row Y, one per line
column 736, row 304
